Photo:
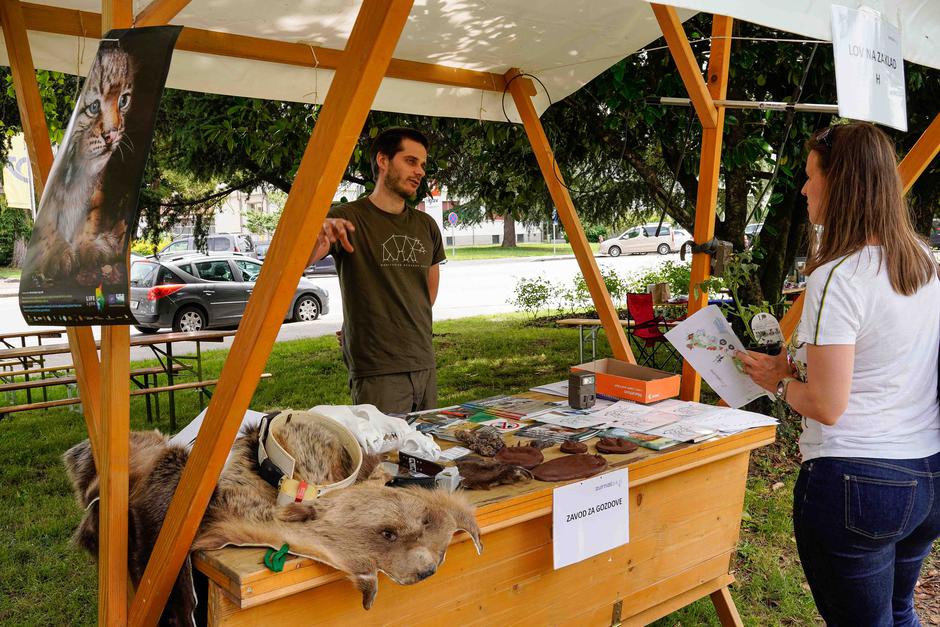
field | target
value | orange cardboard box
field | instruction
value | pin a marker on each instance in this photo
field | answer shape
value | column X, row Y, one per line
column 631, row 382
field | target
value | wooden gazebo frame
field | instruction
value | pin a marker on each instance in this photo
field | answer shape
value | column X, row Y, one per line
column 359, row 70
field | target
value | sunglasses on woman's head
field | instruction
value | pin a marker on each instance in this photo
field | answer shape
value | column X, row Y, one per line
column 824, row 137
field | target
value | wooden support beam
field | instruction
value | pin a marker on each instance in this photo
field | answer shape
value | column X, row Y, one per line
column 371, row 44
column 689, row 69
column 791, row 318
column 113, row 476
column 36, row 134
column 159, row 12
column 709, row 169
column 116, row 14
column 88, row 373
column 115, row 413
column 724, row 605
column 57, row 20
column 920, row 155
column 32, row 116
column 522, row 92
column 911, row 167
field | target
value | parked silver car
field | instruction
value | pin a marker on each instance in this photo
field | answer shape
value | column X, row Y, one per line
column 642, row 239
column 215, row 243
column 197, row 291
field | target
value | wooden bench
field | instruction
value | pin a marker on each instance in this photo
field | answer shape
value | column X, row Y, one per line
column 145, row 391
column 11, row 376
column 44, row 383
column 32, row 371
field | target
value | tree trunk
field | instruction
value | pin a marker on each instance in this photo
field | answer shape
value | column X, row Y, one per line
column 731, row 229
column 509, row 231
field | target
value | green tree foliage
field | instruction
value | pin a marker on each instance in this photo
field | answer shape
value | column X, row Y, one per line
column 58, row 92
column 624, row 160
column 261, row 223
column 15, row 226
column 759, row 146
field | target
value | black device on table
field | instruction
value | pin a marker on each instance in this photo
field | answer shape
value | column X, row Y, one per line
column 581, row 392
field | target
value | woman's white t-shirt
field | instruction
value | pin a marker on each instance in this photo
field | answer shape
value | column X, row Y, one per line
column 892, row 411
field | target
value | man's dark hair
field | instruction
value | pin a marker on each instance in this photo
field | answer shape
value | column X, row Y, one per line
column 388, row 142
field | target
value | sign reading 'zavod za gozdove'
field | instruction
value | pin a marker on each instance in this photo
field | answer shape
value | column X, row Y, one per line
column 590, row 517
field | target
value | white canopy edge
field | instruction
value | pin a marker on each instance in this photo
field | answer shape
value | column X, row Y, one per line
column 918, row 20
column 564, row 43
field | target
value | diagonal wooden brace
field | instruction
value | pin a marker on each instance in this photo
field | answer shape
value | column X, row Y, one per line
column 364, row 63
column 522, row 91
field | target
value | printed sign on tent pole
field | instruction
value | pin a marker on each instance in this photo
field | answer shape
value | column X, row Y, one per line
column 869, row 67
column 76, row 270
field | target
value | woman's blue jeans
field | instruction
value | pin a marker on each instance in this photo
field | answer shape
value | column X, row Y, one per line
column 863, row 528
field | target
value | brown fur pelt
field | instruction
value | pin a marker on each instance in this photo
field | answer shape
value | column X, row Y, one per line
column 360, row 530
column 483, row 474
column 485, row 441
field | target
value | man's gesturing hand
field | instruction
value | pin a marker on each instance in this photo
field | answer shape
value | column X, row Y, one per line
column 337, row 230
column 334, row 230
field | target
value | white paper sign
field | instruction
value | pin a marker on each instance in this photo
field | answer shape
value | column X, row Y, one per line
column 869, row 67
column 708, row 343
column 590, row 517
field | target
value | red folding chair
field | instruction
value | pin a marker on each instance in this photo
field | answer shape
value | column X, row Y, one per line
column 647, row 330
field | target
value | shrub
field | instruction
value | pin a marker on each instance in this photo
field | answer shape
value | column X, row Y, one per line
column 593, row 232
column 15, row 225
column 616, row 286
column 675, row 274
column 146, row 247
column 532, row 295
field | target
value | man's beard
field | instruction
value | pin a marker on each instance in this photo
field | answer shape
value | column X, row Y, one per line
column 395, row 182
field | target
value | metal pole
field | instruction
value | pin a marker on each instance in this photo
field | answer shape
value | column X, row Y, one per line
column 752, row 104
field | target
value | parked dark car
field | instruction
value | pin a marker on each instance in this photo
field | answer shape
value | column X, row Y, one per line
column 215, row 243
column 262, row 250
column 197, row 291
column 327, row 265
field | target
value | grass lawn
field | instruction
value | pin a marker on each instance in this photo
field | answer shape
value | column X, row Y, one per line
column 9, row 273
column 45, row 580
column 521, row 250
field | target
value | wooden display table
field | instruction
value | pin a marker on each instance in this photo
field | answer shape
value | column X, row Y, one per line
column 685, row 512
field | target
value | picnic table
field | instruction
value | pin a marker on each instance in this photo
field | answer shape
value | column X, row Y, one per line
column 587, row 329
column 161, row 344
column 23, row 336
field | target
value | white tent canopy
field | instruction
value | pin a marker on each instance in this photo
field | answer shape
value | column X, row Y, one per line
column 565, row 43
column 918, row 20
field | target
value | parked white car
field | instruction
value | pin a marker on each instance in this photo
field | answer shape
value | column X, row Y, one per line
column 643, row 239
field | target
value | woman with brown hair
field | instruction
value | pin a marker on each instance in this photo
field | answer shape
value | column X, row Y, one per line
column 866, row 505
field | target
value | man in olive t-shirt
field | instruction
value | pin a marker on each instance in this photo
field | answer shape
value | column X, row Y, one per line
column 387, row 257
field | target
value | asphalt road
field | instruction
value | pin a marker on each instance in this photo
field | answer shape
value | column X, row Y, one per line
column 468, row 288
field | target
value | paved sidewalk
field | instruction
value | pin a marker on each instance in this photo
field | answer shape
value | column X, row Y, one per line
column 9, row 288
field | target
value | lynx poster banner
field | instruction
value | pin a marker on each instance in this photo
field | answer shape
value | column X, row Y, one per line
column 76, row 269
column 869, row 67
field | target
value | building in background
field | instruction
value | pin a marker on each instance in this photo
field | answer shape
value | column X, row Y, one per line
column 485, row 233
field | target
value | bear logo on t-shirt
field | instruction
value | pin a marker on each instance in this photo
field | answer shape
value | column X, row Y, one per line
column 401, row 249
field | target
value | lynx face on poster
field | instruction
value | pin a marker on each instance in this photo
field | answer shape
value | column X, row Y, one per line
column 76, row 269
